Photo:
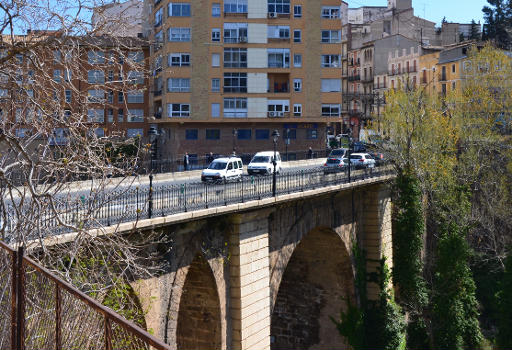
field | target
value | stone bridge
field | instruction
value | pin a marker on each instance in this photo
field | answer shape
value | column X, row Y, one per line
column 265, row 274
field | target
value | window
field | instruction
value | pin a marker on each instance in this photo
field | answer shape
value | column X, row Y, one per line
column 99, row 132
column 453, row 68
column 135, row 77
column 297, row 11
column 297, row 110
column 110, row 96
column 331, row 85
column 454, row 86
column 235, row 58
column 330, row 12
column 120, row 97
column 120, row 115
column 67, row 75
column 212, row 134
column 68, row 96
column 56, row 75
column 178, row 110
column 278, row 58
column 57, row 56
column 178, row 60
column 331, row 36
column 215, row 60
column 135, row 115
column 159, row 17
column 244, row 134
column 178, row 85
column 96, row 96
column 235, row 32
column 297, row 60
column 178, row 9
column 216, row 35
column 215, row 110
column 216, row 10
column 134, row 132
column 179, row 34
column 311, row 134
column 110, row 115
column 235, row 82
column 235, row 6
column 297, row 85
column 95, row 57
column 278, row 32
column 332, row 61
column 279, row 6
column 262, row 134
column 135, row 57
column 330, row 110
column 95, row 77
column 235, row 107
column 215, row 85
column 290, row 133
column 135, row 97
column 191, row 134
column 95, row 115
column 278, row 108
column 297, row 36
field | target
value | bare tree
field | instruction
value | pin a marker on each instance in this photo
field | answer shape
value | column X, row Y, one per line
column 60, row 76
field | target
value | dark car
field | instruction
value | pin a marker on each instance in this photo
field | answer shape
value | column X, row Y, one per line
column 379, row 158
column 338, row 153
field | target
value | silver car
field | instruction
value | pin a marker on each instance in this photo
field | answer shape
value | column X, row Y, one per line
column 333, row 165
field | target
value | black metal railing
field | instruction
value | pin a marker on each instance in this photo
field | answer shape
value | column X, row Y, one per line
column 110, row 208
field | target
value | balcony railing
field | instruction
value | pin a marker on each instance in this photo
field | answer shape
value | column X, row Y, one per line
column 355, row 112
column 367, row 78
column 354, row 78
column 380, row 86
column 442, row 77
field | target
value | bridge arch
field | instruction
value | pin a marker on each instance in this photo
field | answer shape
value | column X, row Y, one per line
column 199, row 313
column 317, row 278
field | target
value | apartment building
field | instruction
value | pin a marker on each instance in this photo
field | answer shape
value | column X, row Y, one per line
column 100, row 77
column 228, row 73
column 427, row 69
column 122, row 19
column 451, row 67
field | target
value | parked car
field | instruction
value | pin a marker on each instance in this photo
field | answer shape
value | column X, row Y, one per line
column 333, row 165
column 223, row 169
column 362, row 160
column 359, row 147
column 338, row 153
column 379, row 158
column 262, row 163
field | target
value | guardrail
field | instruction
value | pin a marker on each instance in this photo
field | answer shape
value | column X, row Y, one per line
column 106, row 209
column 40, row 311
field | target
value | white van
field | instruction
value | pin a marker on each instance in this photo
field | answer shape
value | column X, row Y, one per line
column 262, row 163
column 223, row 169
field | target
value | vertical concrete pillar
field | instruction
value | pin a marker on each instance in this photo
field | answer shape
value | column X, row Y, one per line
column 250, row 281
column 377, row 235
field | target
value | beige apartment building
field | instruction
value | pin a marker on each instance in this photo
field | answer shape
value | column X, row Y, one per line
column 228, row 73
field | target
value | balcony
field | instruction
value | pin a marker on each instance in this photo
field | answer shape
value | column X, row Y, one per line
column 442, row 77
column 350, row 62
column 278, row 114
column 354, row 78
column 380, row 86
column 235, row 14
column 367, row 79
column 355, row 113
column 157, row 93
column 278, row 83
column 279, row 40
column 158, row 115
column 277, row 15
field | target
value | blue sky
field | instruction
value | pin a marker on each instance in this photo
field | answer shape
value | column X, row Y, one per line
column 462, row 11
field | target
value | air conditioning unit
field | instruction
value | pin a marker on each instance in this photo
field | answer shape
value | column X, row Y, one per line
column 271, row 114
column 272, row 15
column 280, row 114
column 242, row 39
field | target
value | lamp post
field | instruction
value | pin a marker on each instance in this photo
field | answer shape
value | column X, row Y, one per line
column 275, row 135
column 349, row 152
column 235, row 132
column 287, row 142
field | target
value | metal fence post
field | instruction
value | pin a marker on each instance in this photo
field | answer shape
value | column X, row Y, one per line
column 14, row 301
column 20, row 301
column 108, row 334
column 150, row 196
column 58, row 306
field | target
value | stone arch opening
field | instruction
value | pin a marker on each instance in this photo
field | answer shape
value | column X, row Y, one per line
column 199, row 317
column 316, row 281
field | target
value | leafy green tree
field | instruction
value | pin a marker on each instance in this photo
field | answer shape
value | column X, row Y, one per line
column 454, row 304
column 504, row 339
column 498, row 17
column 408, row 242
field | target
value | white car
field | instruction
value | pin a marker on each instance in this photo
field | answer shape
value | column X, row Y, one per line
column 223, row 169
column 362, row 160
column 262, row 163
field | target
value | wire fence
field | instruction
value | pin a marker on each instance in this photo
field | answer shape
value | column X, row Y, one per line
column 111, row 208
column 40, row 311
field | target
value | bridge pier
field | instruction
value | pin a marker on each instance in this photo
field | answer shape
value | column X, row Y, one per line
column 250, row 281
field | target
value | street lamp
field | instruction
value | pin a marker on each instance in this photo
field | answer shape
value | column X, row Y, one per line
column 275, row 135
column 287, row 142
column 235, row 132
column 350, row 147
